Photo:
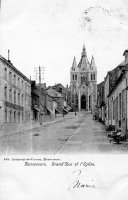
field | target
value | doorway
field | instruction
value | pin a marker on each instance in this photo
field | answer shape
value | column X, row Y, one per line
column 83, row 102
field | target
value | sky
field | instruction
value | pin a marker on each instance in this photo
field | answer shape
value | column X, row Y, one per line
column 50, row 33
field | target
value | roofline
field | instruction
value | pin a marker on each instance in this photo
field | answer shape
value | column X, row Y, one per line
column 118, row 81
column 14, row 68
column 125, row 52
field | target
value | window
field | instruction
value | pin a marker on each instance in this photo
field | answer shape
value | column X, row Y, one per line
column 5, row 73
column 10, row 77
column 84, row 79
column 22, row 85
column 123, row 103
column 22, row 118
column 116, row 108
column 91, row 77
column 14, row 116
column 29, row 100
column 120, row 106
column 5, row 115
column 14, row 96
column 10, row 116
column 14, row 80
column 60, row 90
column 81, row 80
column 5, row 93
column 18, row 82
column 19, row 98
column 25, row 86
column 19, row 117
column 10, row 95
column 22, row 100
column 75, row 77
column 25, row 99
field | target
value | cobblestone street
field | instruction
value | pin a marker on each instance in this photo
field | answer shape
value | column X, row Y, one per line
column 71, row 134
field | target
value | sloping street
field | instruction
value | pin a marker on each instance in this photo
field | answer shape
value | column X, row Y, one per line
column 71, row 134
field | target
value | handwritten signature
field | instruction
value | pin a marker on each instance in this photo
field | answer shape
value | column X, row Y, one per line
column 77, row 184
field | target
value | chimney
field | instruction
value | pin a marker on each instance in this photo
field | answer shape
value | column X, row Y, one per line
column 126, row 55
column 9, row 55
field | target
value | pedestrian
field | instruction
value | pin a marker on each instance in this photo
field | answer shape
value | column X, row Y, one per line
column 63, row 114
column 75, row 113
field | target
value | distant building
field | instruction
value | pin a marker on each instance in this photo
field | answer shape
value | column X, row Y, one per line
column 83, row 83
column 58, row 98
column 15, row 95
column 64, row 91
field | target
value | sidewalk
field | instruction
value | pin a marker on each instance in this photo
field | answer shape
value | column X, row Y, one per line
column 46, row 120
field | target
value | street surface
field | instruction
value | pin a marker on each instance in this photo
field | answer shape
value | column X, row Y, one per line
column 71, row 134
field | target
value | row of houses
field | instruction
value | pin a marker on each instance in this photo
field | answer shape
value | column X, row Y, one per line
column 112, row 97
column 22, row 101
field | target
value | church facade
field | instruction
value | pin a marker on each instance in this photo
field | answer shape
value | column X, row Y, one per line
column 83, row 83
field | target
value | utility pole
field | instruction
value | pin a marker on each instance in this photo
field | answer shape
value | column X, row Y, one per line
column 39, row 76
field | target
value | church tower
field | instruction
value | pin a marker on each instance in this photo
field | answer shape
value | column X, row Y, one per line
column 83, row 83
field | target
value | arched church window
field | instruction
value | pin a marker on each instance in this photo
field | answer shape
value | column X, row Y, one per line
column 84, row 79
column 91, row 77
column 81, row 80
column 75, row 77
column 94, row 77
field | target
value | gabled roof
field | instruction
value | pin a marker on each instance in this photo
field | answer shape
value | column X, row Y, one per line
column 53, row 93
column 118, row 81
column 59, row 85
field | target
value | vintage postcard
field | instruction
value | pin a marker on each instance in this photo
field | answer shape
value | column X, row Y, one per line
column 63, row 99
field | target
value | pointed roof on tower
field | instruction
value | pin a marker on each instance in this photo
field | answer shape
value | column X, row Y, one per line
column 84, row 53
column 74, row 64
column 93, row 65
column 84, row 63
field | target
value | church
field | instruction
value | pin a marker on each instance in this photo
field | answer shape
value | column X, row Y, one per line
column 83, row 83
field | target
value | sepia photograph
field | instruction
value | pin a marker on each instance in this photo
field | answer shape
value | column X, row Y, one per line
column 63, row 99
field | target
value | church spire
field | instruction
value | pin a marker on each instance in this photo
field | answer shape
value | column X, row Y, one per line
column 74, row 64
column 93, row 65
column 84, row 53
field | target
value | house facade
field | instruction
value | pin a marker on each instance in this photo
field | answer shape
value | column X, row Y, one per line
column 115, row 97
column 118, row 103
column 15, row 95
